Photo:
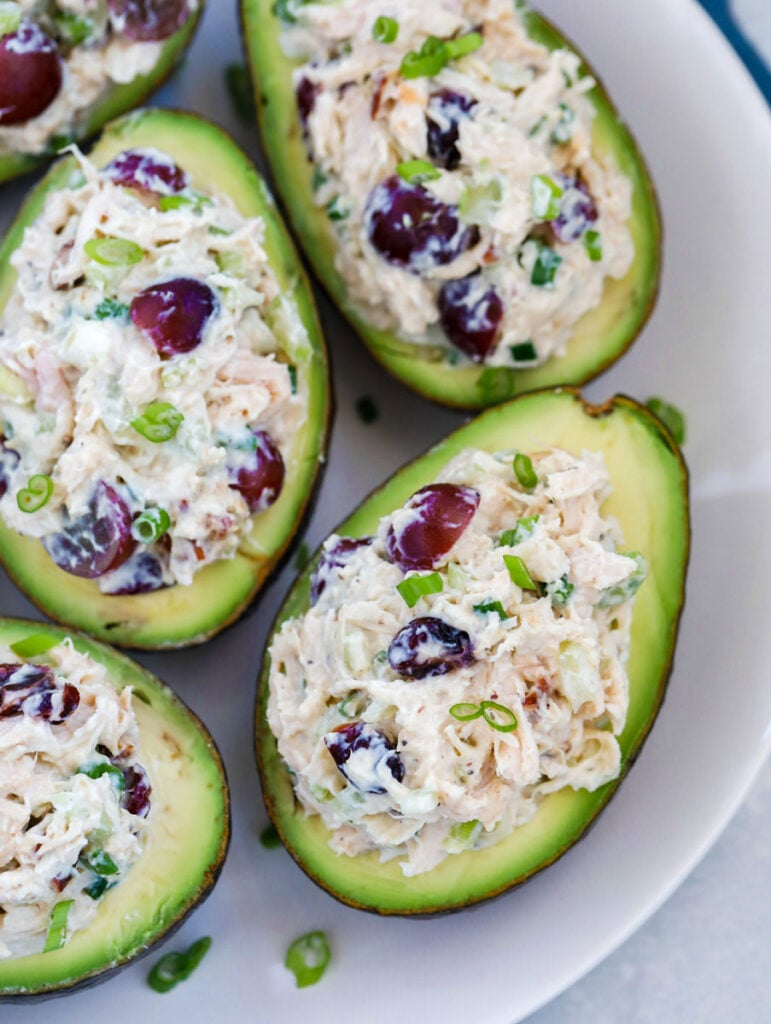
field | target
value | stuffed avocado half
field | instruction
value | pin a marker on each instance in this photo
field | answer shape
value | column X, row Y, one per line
column 179, row 372
column 484, row 220
column 136, row 785
column 460, row 679
column 75, row 72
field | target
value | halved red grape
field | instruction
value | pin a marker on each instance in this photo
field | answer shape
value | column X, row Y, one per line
column 439, row 513
column 140, row 574
column 136, row 794
column 306, row 94
column 148, row 21
column 148, row 170
column 9, row 460
column 413, row 229
column 34, row 691
column 445, row 110
column 334, row 557
column 257, row 471
column 362, row 754
column 96, row 542
column 470, row 312
column 577, row 209
column 429, row 646
column 30, row 73
column 173, row 314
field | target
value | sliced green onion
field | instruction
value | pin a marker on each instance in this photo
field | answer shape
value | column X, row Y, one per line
column 498, row 716
column 96, row 771
column 670, row 416
column 521, row 532
column 113, row 252
column 559, row 591
column 385, row 29
column 230, row 263
column 496, row 383
column 284, row 10
column 97, row 888
column 57, row 928
column 240, row 90
column 292, row 370
column 518, row 572
column 367, row 409
column 523, row 352
column 628, row 587
column 336, row 210
column 100, row 863
column 524, row 472
column 563, row 130
column 545, row 196
column 465, row 830
column 270, row 838
column 412, row 588
column 36, row 644
column 176, row 967
column 417, row 171
column 159, row 422
column 462, row 46
column 593, row 245
column 545, row 267
column 150, row 525
column 537, row 126
column 426, row 62
column 465, row 712
column 197, row 200
column 319, row 178
column 109, row 309
column 10, row 17
column 76, row 30
column 308, row 957
column 348, row 706
column 486, row 607
column 36, row 494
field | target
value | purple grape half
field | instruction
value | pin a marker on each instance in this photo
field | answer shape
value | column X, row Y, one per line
column 446, row 109
column 257, row 472
column 361, row 753
column 96, row 542
column 470, row 312
column 30, row 73
column 148, row 21
column 440, row 514
column 147, row 171
column 334, row 557
column 173, row 314
column 429, row 646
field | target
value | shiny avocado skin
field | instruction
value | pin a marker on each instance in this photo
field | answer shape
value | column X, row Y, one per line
column 181, row 862
column 179, row 616
column 119, row 99
column 601, row 336
column 650, row 501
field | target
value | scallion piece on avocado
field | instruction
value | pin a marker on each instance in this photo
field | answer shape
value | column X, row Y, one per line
column 57, row 928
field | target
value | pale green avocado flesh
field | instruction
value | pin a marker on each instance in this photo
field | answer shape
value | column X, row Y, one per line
column 187, row 835
column 118, row 99
column 181, row 615
column 650, row 501
column 600, row 337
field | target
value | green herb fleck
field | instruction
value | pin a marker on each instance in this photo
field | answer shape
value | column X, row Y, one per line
column 524, row 472
column 559, row 591
column 519, row 573
column 385, row 29
column 523, row 352
column 486, row 607
column 269, row 838
column 413, row 587
column 308, row 958
column 176, row 967
column 109, row 309
column 417, row 171
column 593, row 245
column 520, row 533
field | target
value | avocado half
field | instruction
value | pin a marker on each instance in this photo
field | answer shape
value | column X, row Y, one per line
column 650, row 501
column 182, row 615
column 601, row 336
column 183, row 855
column 118, row 99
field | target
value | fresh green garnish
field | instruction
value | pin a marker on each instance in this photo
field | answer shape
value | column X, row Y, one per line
column 486, row 607
column 75, row 29
column 593, row 245
column 563, row 130
column 367, row 410
column 319, row 178
column 308, row 957
column 100, row 863
column 495, row 384
column 285, row 10
column 417, row 171
column 230, row 263
column 435, row 54
column 336, row 210
column 628, row 587
column 466, row 712
column 545, row 267
column 36, row 494
column 413, row 587
column 385, row 29
column 559, row 591
column 109, row 309
column 197, row 200
column 150, row 525
column 545, row 196
column 96, row 771
column 113, row 252
column 523, row 352
column 97, row 888
column 176, row 967
column 292, row 371
column 498, row 716
column 10, row 17
column 269, row 838
column 57, row 927
column 518, row 572
column 463, row 45
column 159, row 422
column 301, row 556
column 240, row 90
column 32, row 646
column 524, row 472
column 670, row 416
column 537, row 126
column 521, row 532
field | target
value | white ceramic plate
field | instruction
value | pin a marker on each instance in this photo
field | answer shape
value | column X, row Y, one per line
column 705, row 132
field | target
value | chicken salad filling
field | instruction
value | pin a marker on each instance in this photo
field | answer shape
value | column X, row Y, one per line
column 461, row 664
column 147, row 392
column 453, row 156
column 60, row 57
column 75, row 801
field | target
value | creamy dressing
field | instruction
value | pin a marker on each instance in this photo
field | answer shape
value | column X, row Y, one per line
column 377, row 752
column 65, row 830
column 525, row 116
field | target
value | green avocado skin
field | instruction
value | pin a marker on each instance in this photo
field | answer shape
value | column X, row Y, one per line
column 650, row 502
column 182, row 615
column 118, row 99
column 600, row 337
column 182, row 858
